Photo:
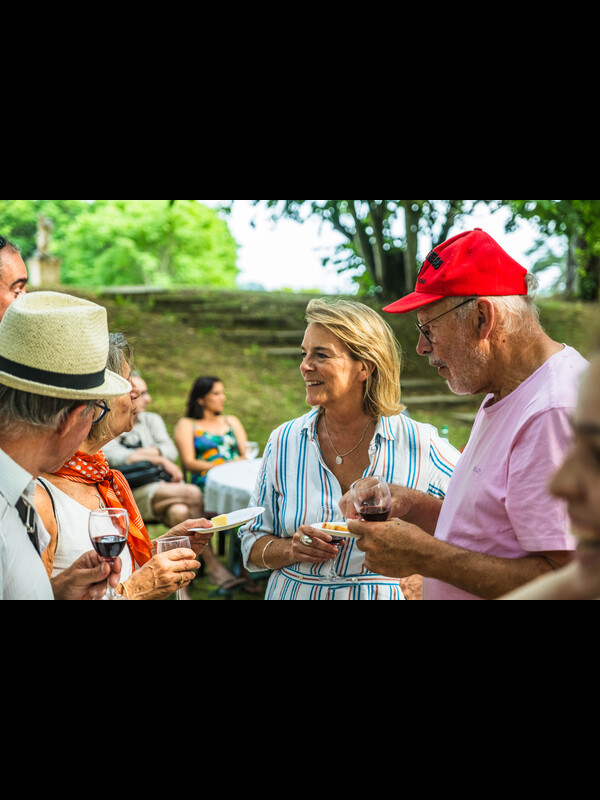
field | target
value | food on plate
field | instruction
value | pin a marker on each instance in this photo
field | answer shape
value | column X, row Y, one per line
column 218, row 521
column 335, row 526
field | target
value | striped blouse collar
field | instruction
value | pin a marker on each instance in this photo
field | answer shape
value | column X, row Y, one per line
column 383, row 430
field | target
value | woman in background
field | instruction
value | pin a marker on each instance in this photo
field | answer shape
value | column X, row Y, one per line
column 206, row 437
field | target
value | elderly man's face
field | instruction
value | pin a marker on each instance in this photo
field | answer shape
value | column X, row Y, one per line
column 13, row 278
column 453, row 348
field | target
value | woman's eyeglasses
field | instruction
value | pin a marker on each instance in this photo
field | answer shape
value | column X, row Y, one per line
column 421, row 328
column 100, row 411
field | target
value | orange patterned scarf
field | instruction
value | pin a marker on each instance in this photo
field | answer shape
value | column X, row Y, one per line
column 115, row 491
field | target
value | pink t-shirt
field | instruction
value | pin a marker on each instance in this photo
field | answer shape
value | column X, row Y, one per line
column 498, row 501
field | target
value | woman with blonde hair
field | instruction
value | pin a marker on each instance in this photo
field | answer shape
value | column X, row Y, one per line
column 351, row 368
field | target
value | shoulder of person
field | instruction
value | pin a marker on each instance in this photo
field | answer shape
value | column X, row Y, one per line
column 43, row 501
column 185, row 423
column 152, row 417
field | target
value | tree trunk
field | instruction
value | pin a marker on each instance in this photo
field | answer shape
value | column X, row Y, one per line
column 411, row 267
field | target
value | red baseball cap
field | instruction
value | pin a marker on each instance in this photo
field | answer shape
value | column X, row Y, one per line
column 471, row 263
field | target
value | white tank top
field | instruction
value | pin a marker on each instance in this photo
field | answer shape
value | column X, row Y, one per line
column 73, row 537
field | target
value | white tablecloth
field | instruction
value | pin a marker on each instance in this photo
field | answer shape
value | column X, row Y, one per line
column 230, row 486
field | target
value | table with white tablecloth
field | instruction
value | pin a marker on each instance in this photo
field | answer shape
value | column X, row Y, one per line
column 229, row 486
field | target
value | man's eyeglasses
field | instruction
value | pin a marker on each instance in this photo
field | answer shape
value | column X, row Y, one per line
column 421, row 328
column 3, row 242
column 100, row 411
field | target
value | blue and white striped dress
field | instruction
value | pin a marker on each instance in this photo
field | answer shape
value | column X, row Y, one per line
column 295, row 483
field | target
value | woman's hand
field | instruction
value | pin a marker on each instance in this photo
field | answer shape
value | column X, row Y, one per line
column 198, row 540
column 163, row 575
column 318, row 551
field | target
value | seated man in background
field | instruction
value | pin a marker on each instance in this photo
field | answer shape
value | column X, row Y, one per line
column 168, row 503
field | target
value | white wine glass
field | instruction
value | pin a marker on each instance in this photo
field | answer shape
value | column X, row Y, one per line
column 108, row 529
column 251, row 450
column 173, row 543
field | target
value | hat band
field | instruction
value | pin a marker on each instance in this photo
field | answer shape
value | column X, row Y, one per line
column 57, row 379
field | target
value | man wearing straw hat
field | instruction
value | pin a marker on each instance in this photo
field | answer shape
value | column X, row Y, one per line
column 53, row 382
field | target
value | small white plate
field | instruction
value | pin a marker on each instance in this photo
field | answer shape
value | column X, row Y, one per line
column 234, row 520
column 318, row 526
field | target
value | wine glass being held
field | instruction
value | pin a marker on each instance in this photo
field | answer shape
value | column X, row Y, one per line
column 168, row 543
column 328, row 514
column 108, row 529
column 372, row 499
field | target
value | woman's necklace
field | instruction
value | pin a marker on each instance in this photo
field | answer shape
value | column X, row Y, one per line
column 340, row 458
column 99, row 497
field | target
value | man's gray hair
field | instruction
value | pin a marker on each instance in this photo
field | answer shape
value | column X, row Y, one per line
column 19, row 410
column 519, row 313
column 119, row 351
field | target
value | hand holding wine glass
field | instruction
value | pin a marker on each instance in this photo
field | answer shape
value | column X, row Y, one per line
column 108, row 529
column 372, row 499
column 328, row 514
column 167, row 543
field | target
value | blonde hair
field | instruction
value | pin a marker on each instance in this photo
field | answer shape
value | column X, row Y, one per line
column 368, row 338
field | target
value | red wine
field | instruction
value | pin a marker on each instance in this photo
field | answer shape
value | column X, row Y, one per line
column 376, row 514
column 109, row 547
column 336, row 541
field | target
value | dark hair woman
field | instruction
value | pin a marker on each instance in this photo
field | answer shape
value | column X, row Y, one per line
column 206, row 437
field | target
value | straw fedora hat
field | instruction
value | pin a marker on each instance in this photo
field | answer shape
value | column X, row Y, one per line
column 56, row 345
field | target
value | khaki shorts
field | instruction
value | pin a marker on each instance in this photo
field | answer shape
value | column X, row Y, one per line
column 143, row 498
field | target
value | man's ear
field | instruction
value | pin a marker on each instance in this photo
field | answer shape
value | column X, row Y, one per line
column 78, row 416
column 486, row 317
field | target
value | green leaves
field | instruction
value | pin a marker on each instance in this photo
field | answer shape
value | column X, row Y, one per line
column 129, row 242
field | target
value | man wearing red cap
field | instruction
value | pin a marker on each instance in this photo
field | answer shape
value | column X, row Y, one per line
column 498, row 527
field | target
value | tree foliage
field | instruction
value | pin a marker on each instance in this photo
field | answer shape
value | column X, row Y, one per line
column 577, row 224
column 381, row 236
column 121, row 242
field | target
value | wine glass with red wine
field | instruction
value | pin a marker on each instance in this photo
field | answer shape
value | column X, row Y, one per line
column 372, row 499
column 109, row 529
column 328, row 514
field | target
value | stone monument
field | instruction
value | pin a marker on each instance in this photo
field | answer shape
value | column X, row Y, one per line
column 43, row 267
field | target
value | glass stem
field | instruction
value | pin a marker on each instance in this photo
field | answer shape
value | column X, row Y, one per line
column 110, row 592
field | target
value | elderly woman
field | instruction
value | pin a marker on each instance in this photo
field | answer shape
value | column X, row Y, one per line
column 351, row 367
column 86, row 482
column 206, row 437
